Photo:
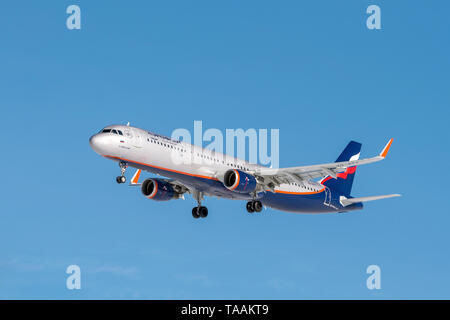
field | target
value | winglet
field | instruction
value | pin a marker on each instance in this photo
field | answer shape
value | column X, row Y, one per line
column 135, row 180
column 386, row 148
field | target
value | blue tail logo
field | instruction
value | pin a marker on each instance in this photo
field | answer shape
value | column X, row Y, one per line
column 344, row 181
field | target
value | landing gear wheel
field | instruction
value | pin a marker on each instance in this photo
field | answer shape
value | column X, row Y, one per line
column 195, row 213
column 203, row 212
column 249, row 207
column 257, row 206
column 199, row 212
column 121, row 179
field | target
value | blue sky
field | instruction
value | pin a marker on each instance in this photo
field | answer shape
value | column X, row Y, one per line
column 311, row 69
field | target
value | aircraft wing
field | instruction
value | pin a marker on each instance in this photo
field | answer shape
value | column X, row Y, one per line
column 276, row 177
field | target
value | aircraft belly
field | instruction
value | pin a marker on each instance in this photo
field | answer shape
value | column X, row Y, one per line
column 300, row 203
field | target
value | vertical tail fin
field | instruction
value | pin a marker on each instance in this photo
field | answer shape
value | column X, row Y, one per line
column 344, row 181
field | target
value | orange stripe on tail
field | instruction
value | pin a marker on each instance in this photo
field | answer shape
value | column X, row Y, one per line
column 386, row 148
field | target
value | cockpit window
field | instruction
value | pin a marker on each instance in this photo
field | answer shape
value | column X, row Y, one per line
column 114, row 131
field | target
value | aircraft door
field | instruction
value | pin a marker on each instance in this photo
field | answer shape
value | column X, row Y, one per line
column 327, row 199
column 128, row 135
column 137, row 139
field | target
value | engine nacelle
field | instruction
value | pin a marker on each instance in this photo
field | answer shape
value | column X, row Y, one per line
column 239, row 181
column 158, row 190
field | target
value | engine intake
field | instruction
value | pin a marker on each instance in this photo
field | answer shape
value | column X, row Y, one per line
column 239, row 181
column 158, row 190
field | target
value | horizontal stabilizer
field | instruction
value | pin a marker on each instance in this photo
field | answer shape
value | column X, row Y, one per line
column 346, row 202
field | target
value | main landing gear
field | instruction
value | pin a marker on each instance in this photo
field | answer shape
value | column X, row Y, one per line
column 254, row 206
column 123, row 167
column 199, row 211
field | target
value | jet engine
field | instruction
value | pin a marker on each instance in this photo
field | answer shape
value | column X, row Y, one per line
column 158, row 190
column 239, row 181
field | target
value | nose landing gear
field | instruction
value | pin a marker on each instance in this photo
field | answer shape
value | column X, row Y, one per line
column 123, row 167
column 254, row 206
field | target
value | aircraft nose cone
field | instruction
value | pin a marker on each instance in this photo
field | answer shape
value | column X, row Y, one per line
column 98, row 143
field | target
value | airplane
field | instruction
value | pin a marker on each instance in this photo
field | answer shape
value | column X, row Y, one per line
column 293, row 189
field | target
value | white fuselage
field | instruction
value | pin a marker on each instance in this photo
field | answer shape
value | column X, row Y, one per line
column 202, row 170
column 147, row 150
